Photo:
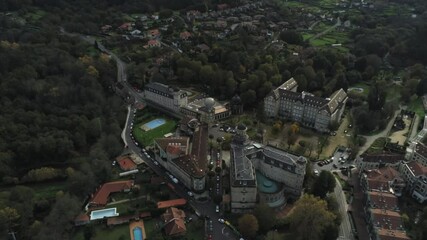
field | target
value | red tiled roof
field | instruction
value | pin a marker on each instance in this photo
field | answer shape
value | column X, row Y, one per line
column 417, row 168
column 101, row 196
column 379, row 179
column 153, row 42
column 174, row 220
column 182, row 142
column 387, row 234
column 172, row 203
column 185, row 35
column 173, row 149
column 387, row 219
column 125, row 25
column 383, row 200
column 126, row 164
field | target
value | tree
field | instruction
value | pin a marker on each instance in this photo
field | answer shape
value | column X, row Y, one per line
column 292, row 37
column 422, row 87
column 60, row 219
column 376, row 98
column 248, row 225
column 265, row 216
column 324, row 184
column 8, row 218
column 274, row 235
column 310, row 211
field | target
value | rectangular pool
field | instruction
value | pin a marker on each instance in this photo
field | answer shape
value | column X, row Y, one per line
column 153, row 124
column 103, row 213
column 137, row 233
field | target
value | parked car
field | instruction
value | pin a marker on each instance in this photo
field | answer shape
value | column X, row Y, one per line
column 217, row 208
column 220, row 220
column 316, row 172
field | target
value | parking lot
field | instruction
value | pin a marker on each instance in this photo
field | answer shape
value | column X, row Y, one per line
column 339, row 160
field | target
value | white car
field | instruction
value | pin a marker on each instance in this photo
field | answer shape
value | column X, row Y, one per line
column 217, row 208
column 155, row 162
column 316, row 172
column 190, row 193
column 221, row 220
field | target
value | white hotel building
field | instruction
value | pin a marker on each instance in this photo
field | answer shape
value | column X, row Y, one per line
column 310, row 111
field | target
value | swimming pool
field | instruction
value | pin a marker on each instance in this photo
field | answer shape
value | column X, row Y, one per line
column 99, row 214
column 153, row 124
column 137, row 233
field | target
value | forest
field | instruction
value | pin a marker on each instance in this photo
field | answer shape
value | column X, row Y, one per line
column 61, row 121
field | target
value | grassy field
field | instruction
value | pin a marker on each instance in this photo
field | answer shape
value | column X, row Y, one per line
column 377, row 146
column 102, row 232
column 417, row 107
column 146, row 137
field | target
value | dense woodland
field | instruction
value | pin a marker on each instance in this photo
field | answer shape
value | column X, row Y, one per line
column 61, row 121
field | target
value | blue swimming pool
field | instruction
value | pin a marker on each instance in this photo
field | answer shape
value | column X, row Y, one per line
column 99, row 214
column 153, row 124
column 137, row 233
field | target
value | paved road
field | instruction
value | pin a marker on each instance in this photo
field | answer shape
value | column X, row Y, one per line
column 345, row 228
column 204, row 208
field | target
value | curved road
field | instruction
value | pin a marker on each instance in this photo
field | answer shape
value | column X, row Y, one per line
column 204, row 208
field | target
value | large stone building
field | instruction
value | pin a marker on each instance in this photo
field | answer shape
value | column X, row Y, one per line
column 248, row 159
column 185, row 157
column 175, row 102
column 314, row 112
column 415, row 175
column 164, row 97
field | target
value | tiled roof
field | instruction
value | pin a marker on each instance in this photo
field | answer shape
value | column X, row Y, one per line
column 101, row 196
column 126, row 164
column 172, row 203
column 417, row 168
column 386, row 219
column 379, row 179
column 174, row 221
column 383, row 200
column 164, row 143
column 387, row 234
column 383, row 158
column 336, row 99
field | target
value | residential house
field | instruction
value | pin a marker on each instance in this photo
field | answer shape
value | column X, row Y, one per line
column 126, row 164
column 153, row 33
column 126, row 26
column 135, row 32
column 310, row 111
column 415, row 175
column 100, row 197
column 152, row 43
column 185, row 35
column 174, row 222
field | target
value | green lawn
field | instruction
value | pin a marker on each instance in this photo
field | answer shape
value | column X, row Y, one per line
column 48, row 190
column 146, row 137
column 417, row 107
column 102, row 232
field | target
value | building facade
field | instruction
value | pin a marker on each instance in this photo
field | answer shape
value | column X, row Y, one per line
column 310, row 111
column 247, row 159
column 163, row 96
column 415, row 175
column 186, row 163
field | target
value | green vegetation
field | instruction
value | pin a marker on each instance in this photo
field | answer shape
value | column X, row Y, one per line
column 102, row 232
column 377, row 146
column 146, row 137
column 416, row 106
